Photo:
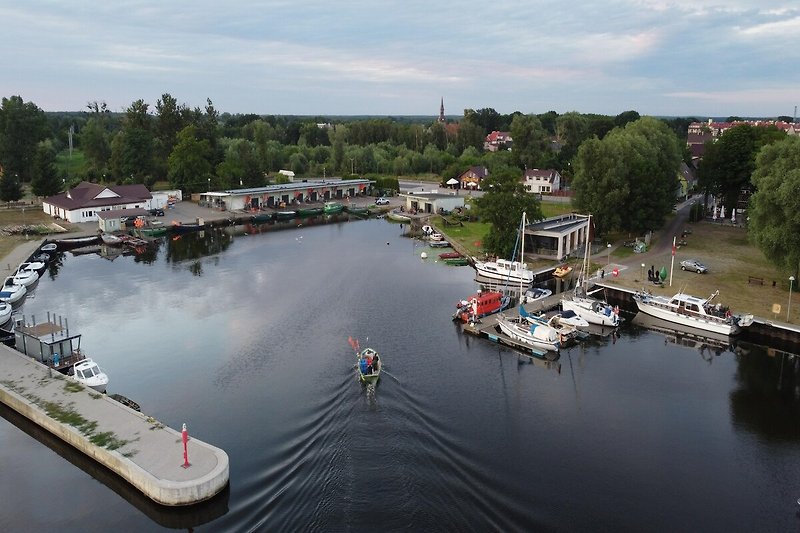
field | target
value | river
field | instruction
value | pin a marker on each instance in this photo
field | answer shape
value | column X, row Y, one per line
column 244, row 338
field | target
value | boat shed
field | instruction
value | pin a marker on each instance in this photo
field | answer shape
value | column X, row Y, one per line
column 111, row 221
column 50, row 342
column 557, row 237
column 432, row 202
column 286, row 194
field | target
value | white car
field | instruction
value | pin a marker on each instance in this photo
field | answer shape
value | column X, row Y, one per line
column 382, row 201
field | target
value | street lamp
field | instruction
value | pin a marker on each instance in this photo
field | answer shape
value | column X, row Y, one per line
column 608, row 246
column 642, row 272
column 352, row 166
column 25, row 228
column 789, row 307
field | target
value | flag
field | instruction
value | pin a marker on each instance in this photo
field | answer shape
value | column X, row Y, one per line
column 673, row 246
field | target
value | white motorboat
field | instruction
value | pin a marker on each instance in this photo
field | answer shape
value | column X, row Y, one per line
column 25, row 277
column 538, row 335
column 573, row 319
column 88, row 373
column 536, row 293
column 12, row 293
column 567, row 333
column 5, row 313
column 505, row 270
column 698, row 313
column 36, row 266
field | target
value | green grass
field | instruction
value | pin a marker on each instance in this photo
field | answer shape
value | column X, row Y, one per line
column 70, row 166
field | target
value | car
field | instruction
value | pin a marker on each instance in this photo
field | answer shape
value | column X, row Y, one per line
column 693, row 265
column 157, row 212
column 382, row 201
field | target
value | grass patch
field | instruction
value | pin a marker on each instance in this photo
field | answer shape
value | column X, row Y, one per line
column 72, row 386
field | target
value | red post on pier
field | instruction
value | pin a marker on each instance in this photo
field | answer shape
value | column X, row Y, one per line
column 185, row 438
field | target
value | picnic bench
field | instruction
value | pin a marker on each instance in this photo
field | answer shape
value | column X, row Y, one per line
column 755, row 281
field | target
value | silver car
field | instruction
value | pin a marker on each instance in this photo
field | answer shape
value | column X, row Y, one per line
column 693, row 265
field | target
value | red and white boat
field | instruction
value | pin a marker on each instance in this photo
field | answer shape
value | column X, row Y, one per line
column 481, row 304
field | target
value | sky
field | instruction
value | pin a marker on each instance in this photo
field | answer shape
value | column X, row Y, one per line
column 703, row 58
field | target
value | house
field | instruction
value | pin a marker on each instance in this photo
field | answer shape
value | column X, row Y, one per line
column 86, row 200
column 541, row 181
column 557, row 237
column 472, row 178
column 432, row 202
column 498, row 140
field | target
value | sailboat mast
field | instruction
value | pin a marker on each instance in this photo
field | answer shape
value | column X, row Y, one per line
column 522, row 255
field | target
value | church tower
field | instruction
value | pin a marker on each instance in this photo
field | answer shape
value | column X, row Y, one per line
column 441, row 113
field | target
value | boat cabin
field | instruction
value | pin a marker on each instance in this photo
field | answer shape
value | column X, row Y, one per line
column 51, row 343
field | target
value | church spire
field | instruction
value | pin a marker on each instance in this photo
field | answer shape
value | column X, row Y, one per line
column 441, row 112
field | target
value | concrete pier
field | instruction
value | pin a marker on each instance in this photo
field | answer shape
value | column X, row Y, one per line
column 144, row 452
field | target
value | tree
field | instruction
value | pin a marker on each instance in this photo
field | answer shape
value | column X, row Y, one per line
column 93, row 140
column 22, row 127
column 188, row 165
column 469, row 135
column 132, row 147
column 628, row 180
column 10, row 188
column 530, row 140
column 502, row 204
column 45, row 180
column 774, row 209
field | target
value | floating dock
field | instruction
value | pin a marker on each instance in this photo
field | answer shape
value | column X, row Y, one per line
column 144, row 452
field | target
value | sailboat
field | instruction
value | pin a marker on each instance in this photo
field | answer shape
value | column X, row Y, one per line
column 505, row 270
column 592, row 310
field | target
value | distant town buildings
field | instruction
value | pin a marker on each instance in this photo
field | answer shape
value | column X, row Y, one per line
column 541, row 181
column 498, row 140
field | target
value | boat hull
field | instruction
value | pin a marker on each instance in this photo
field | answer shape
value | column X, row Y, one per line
column 591, row 310
column 541, row 337
column 397, row 217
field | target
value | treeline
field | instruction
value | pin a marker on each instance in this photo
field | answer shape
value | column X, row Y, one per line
column 197, row 148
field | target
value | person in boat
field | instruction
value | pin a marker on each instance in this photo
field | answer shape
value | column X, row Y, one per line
column 362, row 364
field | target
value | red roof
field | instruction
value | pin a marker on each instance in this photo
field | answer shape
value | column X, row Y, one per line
column 90, row 195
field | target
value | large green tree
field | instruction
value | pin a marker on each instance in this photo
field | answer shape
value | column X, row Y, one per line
column 502, row 204
column 628, row 180
column 774, row 209
column 189, row 166
column 22, row 126
column 45, row 180
column 10, row 187
column 531, row 143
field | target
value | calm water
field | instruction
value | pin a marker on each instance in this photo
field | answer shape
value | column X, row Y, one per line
column 244, row 338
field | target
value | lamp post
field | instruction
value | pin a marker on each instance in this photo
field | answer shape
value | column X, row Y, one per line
column 352, row 166
column 642, row 272
column 25, row 228
column 209, row 184
column 608, row 247
column 789, row 307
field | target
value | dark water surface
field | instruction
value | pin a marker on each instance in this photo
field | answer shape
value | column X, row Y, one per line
column 244, row 338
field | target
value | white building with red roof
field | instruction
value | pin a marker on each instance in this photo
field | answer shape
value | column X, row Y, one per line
column 498, row 140
column 82, row 203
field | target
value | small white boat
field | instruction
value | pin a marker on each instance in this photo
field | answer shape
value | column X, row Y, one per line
column 36, row 266
column 536, row 293
column 25, row 277
column 505, row 270
column 5, row 313
column 592, row 310
column 539, row 336
column 12, row 293
column 49, row 247
column 110, row 239
column 569, row 317
column 88, row 373
column 398, row 216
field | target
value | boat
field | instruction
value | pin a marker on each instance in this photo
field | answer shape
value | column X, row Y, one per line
column 435, row 237
column 573, row 319
column 369, row 366
column 481, row 304
column 398, row 216
column 25, row 277
column 309, row 211
column 35, row 266
column 539, row 336
column 457, row 261
column 505, row 270
column 179, row 227
column 88, row 373
column 154, row 232
column 7, row 336
column 260, row 218
column 110, row 239
column 439, row 244
column 562, row 271
column 5, row 315
column 124, row 400
column 49, row 247
column 567, row 333
column 581, row 302
column 285, row 215
column 41, row 257
column 78, row 242
column 358, row 211
column 450, row 255
column 12, row 293
column 332, row 207
column 536, row 293
column 694, row 312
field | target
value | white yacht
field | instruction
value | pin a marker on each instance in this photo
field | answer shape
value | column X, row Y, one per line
column 698, row 313
column 87, row 372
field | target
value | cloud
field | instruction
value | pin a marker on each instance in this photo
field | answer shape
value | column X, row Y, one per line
column 773, row 30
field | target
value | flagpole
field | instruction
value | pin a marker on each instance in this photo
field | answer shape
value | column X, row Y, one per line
column 672, row 264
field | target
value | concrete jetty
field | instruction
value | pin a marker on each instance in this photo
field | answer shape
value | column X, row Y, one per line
column 140, row 449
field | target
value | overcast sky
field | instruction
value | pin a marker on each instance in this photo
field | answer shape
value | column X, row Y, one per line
column 307, row 57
